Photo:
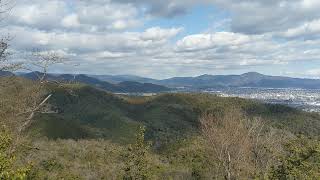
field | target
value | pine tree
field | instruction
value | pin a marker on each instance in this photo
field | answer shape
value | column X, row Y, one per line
column 137, row 165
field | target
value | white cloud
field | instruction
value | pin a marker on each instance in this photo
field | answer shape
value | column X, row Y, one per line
column 260, row 16
column 71, row 21
column 314, row 72
column 247, row 16
column 158, row 34
column 84, row 42
column 310, row 4
column 206, row 41
column 310, row 29
column 102, row 35
column 60, row 14
column 43, row 15
column 237, row 50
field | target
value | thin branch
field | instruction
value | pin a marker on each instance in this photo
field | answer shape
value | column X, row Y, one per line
column 29, row 119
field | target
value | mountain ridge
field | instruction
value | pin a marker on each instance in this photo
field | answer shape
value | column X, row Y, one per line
column 5, row 73
column 250, row 79
column 123, row 87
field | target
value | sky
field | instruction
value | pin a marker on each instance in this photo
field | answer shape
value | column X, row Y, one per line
column 167, row 38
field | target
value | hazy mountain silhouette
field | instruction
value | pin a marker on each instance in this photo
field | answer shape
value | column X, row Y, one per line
column 123, row 87
column 5, row 73
column 128, row 83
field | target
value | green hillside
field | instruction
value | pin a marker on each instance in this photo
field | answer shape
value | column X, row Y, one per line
column 85, row 112
column 92, row 134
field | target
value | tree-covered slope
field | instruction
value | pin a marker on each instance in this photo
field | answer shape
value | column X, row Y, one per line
column 80, row 111
column 85, row 134
column 85, row 112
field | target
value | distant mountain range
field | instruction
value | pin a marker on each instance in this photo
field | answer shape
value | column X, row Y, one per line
column 121, row 87
column 122, row 78
column 128, row 83
column 250, row 79
column 6, row 73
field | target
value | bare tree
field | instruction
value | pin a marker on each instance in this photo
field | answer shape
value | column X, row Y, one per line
column 42, row 61
column 238, row 144
column 3, row 54
column 3, row 51
column 5, row 7
column 38, row 60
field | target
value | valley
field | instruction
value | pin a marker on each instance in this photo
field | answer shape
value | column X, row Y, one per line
column 81, row 123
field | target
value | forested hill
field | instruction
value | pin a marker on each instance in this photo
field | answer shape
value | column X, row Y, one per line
column 87, row 133
column 90, row 113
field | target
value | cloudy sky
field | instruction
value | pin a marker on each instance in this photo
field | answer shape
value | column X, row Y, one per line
column 165, row 38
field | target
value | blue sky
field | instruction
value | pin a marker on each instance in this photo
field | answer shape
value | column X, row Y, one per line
column 199, row 19
column 167, row 38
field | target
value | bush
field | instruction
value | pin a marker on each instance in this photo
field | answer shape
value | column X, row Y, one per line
column 300, row 161
column 7, row 159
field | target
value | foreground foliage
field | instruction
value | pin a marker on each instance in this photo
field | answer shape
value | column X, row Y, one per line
column 301, row 160
column 7, row 159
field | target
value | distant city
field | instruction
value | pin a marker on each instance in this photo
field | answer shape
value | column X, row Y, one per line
column 305, row 99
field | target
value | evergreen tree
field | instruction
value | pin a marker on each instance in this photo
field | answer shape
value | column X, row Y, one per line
column 137, row 164
column 301, row 161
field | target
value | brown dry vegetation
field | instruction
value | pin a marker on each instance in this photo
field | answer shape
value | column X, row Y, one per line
column 242, row 147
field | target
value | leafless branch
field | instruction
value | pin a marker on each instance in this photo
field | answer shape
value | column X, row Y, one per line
column 238, row 143
column 32, row 112
column 43, row 60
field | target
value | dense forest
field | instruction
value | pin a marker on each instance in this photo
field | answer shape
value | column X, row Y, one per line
column 81, row 132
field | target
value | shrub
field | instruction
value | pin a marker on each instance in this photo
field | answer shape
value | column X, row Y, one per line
column 7, row 159
column 300, row 161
